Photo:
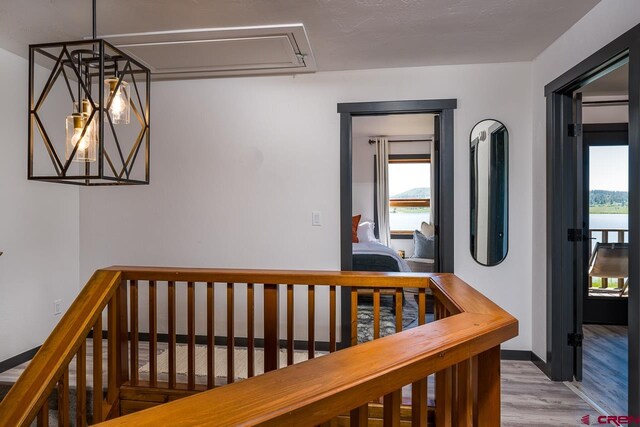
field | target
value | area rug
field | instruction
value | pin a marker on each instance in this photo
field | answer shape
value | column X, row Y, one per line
column 240, row 361
column 387, row 316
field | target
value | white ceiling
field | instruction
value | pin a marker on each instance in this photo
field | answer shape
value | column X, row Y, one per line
column 394, row 125
column 615, row 83
column 344, row 34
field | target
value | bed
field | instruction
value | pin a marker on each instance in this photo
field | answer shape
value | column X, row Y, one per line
column 374, row 256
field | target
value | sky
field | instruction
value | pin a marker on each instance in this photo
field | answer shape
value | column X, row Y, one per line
column 403, row 177
column 609, row 168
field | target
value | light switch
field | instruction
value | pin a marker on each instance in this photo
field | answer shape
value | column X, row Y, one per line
column 316, row 218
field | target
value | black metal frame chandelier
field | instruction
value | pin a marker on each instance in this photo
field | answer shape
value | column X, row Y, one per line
column 105, row 140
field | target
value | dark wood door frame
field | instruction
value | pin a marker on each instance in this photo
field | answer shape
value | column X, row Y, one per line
column 560, row 207
column 443, row 158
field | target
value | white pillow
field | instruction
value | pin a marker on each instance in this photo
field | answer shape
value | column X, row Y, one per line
column 427, row 229
column 365, row 232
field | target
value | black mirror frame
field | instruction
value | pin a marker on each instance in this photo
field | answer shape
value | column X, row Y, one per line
column 506, row 188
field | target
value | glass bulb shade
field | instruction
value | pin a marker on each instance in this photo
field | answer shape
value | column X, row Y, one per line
column 120, row 99
column 84, row 136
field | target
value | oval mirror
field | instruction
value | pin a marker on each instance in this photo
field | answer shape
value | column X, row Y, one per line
column 489, row 192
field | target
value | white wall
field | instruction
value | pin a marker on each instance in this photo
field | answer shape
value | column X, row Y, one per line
column 39, row 228
column 608, row 20
column 608, row 114
column 239, row 164
column 362, row 177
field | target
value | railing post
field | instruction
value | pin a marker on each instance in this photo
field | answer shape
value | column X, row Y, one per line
column 465, row 393
column 488, row 395
column 271, row 327
column 123, row 328
column 444, row 397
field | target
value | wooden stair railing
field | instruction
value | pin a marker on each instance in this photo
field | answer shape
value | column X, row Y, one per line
column 462, row 349
column 49, row 369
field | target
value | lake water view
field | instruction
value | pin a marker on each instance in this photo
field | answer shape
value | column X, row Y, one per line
column 609, row 221
column 408, row 220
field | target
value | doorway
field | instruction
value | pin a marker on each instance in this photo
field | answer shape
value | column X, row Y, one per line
column 573, row 278
column 603, row 116
column 440, row 160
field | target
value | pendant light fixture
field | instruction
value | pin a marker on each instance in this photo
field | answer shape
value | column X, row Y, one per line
column 102, row 95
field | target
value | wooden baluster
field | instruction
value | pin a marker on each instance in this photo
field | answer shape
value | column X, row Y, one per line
column 191, row 335
column 354, row 316
column 153, row 339
column 422, row 306
column 376, row 313
column 122, row 345
column 97, row 371
column 399, row 295
column 171, row 329
column 620, row 240
column 211, row 338
column 419, row 403
column 391, row 409
column 311, row 315
column 250, row 331
column 444, row 398
column 590, row 253
column 605, row 239
column 133, row 328
column 271, row 324
column 359, row 417
column 230, row 335
column 290, row 336
column 81, row 385
column 43, row 415
column 63, row 399
column 112, row 352
column 465, row 394
column 488, row 395
column 332, row 319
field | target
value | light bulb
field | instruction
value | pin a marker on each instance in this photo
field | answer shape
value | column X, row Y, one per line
column 118, row 104
column 78, row 139
column 118, row 99
column 81, row 137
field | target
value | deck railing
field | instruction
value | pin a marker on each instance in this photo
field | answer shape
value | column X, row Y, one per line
column 607, row 235
column 461, row 348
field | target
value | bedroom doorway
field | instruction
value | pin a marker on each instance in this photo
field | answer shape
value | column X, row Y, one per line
column 417, row 139
column 569, row 237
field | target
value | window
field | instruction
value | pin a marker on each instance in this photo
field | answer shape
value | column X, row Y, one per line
column 409, row 193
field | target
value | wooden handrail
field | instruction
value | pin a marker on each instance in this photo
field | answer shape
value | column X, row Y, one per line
column 475, row 327
column 282, row 277
column 37, row 381
column 312, row 392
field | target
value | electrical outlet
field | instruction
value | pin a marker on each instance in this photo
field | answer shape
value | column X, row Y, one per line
column 57, row 307
column 316, row 218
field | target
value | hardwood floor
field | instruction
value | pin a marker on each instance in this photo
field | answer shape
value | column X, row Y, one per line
column 529, row 398
column 605, row 364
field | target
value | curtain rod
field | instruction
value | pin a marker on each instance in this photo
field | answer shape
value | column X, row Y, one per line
column 373, row 141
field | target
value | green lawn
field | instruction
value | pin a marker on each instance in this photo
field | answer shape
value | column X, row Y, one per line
column 596, row 282
column 609, row 209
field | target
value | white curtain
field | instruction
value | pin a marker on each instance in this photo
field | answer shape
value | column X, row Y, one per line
column 432, row 181
column 382, row 190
